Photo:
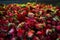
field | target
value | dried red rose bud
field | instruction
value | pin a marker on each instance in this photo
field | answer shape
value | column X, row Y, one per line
column 39, row 33
column 30, row 33
column 54, row 22
column 58, row 27
column 48, row 21
column 4, row 28
column 24, row 13
column 10, row 19
column 20, row 32
column 9, row 14
column 48, row 15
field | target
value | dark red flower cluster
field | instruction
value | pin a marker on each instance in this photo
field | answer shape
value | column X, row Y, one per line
column 29, row 22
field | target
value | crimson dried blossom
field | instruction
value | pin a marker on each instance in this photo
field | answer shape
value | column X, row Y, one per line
column 31, row 22
column 21, row 18
column 48, row 38
column 58, row 27
column 49, row 21
column 39, row 33
column 24, row 13
column 26, row 8
column 9, row 14
column 30, row 33
column 4, row 28
column 54, row 23
column 10, row 19
column 26, row 26
column 20, row 32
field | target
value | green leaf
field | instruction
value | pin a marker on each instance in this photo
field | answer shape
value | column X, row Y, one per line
column 23, row 5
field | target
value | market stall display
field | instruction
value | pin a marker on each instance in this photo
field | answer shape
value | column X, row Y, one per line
column 30, row 21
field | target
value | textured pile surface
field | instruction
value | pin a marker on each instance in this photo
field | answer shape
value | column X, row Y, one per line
column 29, row 21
